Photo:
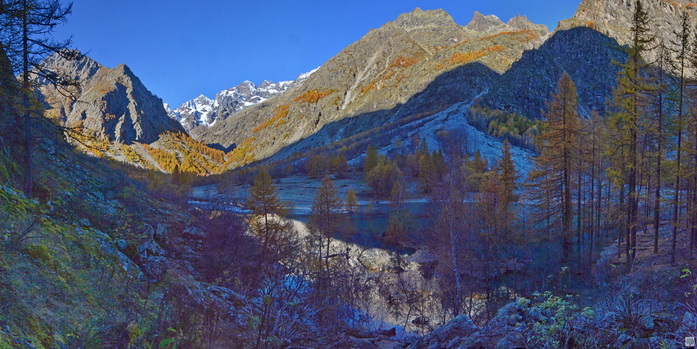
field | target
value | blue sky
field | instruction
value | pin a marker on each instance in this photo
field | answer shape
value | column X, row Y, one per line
column 181, row 49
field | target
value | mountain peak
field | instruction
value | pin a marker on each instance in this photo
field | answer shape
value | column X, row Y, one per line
column 112, row 103
column 422, row 19
column 523, row 23
column 482, row 23
column 78, row 65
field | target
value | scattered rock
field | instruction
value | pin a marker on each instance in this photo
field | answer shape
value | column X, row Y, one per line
column 149, row 249
column 513, row 339
column 647, row 322
column 622, row 340
column 154, row 268
column 445, row 336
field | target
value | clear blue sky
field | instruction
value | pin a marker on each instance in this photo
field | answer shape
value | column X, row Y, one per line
column 181, row 49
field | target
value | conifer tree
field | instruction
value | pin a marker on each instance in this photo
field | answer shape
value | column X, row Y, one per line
column 268, row 212
column 681, row 49
column 326, row 216
column 507, row 172
column 351, row 201
column 371, row 159
column 554, row 166
column 662, row 82
column 475, row 171
column 625, row 124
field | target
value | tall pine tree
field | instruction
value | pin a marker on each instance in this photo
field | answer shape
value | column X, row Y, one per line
column 627, row 118
column 554, row 165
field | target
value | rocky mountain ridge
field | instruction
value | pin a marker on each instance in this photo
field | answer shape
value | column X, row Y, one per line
column 376, row 75
column 117, row 117
column 111, row 104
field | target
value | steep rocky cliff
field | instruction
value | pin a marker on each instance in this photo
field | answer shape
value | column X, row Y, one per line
column 112, row 104
column 117, row 117
column 613, row 17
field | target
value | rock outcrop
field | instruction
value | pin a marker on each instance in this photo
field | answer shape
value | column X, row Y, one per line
column 614, row 17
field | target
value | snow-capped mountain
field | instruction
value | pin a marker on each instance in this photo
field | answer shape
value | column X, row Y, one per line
column 198, row 111
column 203, row 112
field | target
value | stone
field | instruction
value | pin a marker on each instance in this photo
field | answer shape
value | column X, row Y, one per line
column 647, row 322
column 193, row 233
column 149, row 249
column 121, row 244
column 84, row 222
column 154, row 268
column 160, row 233
column 448, row 335
column 622, row 340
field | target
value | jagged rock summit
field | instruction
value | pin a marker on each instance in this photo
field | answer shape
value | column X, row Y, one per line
column 484, row 24
column 111, row 104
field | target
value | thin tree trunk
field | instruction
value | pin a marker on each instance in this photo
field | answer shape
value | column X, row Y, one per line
column 26, row 114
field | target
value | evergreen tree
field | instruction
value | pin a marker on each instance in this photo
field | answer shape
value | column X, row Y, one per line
column 325, row 222
column 339, row 164
column 428, row 172
column 681, row 49
column 475, row 171
column 326, row 216
column 554, row 166
column 351, row 201
column 268, row 212
column 371, row 159
column 625, row 124
column 507, row 172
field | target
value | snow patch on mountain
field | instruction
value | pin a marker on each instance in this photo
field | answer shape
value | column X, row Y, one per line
column 205, row 112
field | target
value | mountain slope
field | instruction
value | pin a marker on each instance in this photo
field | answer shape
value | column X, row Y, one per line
column 475, row 93
column 117, row 117
column 381, row 71
column 585, row 54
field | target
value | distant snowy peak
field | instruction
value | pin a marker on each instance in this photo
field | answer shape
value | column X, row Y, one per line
column 196, row 112
column 203, row 111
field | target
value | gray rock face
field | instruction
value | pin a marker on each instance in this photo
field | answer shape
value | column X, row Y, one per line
column 111, row 104
column 484, row 24
column 614, row 17
column 523, row 23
